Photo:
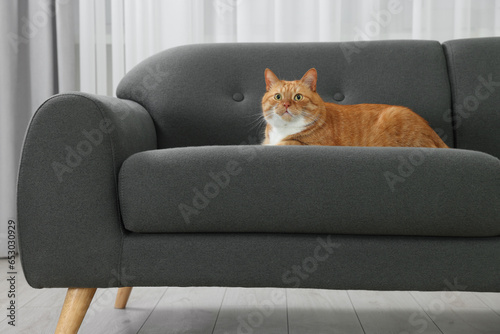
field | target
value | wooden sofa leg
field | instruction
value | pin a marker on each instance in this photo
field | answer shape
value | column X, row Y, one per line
column 75, row 306
column 122, row 297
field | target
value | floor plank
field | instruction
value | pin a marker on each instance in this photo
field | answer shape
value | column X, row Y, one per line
column 41, row 314
column 256, row 311
column 490, row 299
column 459, row 312
column 185, row 310
column 313, row 311
column 390, row 312
column 102, row 313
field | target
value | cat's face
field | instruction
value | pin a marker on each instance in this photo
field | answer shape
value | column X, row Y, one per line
column 291, row 103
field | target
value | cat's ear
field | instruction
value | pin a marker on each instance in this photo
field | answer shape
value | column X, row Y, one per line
column 271, row 79
column 310, row 79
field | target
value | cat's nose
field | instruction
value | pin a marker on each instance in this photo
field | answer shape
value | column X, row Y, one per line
column 286, row 104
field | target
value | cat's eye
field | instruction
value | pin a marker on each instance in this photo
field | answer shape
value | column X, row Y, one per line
column 277, row 97
column 298, row 97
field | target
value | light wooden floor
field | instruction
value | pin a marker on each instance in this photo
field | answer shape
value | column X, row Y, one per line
column 254, row 311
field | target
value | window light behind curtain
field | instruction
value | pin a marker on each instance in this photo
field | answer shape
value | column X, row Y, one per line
column 89, row 45
column 117, row 34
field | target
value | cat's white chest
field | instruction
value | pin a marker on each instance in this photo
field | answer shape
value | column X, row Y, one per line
column 278, row 133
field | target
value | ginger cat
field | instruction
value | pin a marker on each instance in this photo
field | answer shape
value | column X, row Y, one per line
column 296, row 115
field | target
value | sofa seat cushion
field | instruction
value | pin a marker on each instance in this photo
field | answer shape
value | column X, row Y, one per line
column 312, row 189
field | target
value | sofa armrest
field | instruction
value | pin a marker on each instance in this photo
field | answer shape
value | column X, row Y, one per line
column 70, row 230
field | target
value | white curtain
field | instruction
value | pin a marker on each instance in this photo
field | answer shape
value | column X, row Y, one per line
column 121, row 33
column 51, row 46
column 37, row 60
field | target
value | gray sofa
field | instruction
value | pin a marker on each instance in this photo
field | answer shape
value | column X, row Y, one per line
column 167, row 184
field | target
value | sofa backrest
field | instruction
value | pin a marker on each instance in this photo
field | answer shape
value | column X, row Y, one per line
column 474, row 69
column 210, row 94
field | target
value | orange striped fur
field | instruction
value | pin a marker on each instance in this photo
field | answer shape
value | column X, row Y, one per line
column 297, row 115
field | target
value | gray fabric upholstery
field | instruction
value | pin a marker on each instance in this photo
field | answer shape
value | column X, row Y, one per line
column 190, row 90
column 339, row 190
column 474, row 67
column 311, row 261
column 69, row 221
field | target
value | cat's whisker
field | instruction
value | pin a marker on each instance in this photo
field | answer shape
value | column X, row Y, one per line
column 258, row 127
column 315, row 120
column 253, row 115
column 308, row 117
column 259, row 122
column 258, row 119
